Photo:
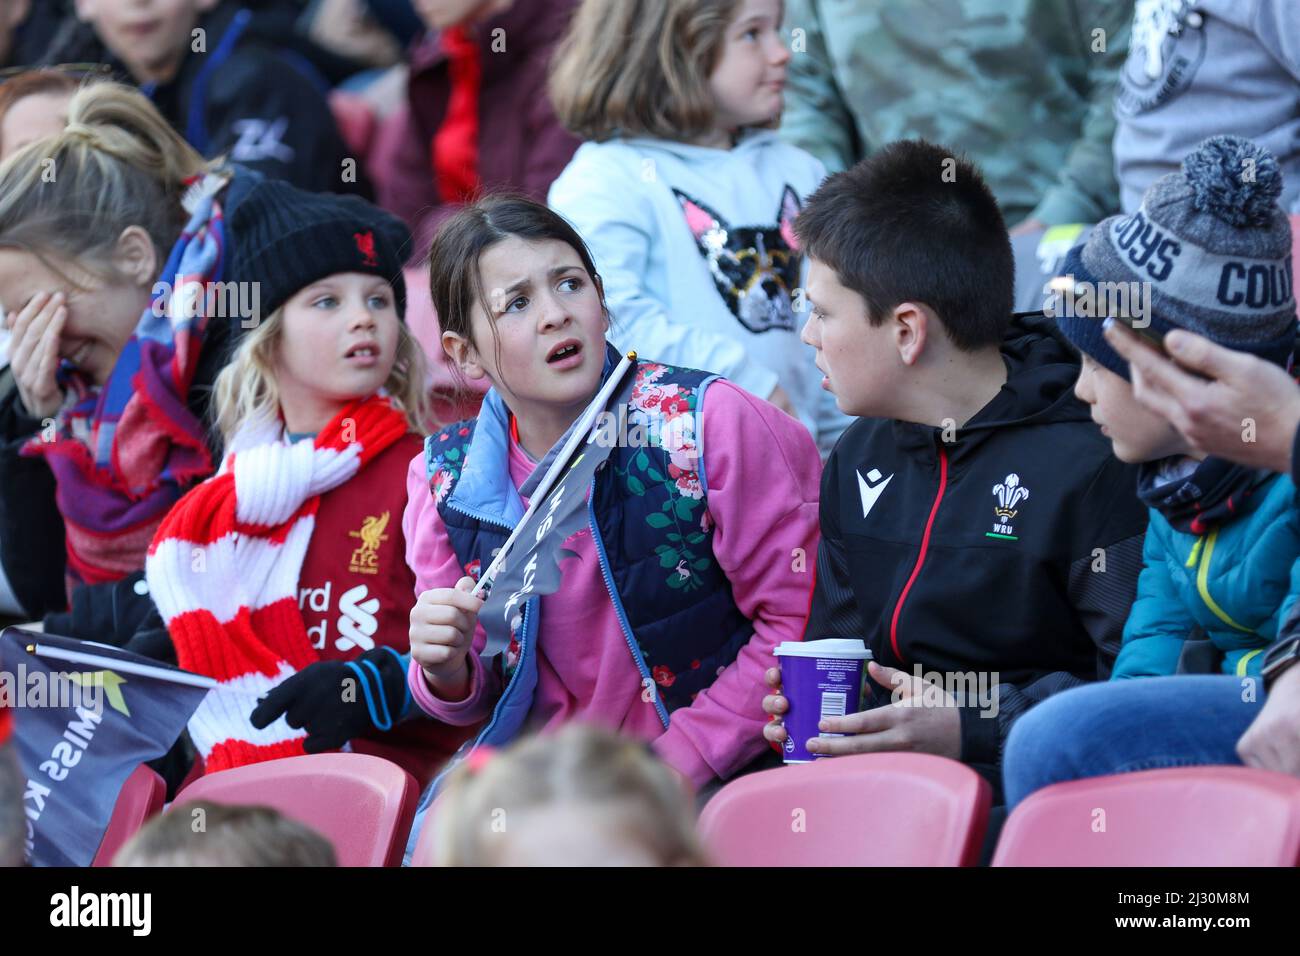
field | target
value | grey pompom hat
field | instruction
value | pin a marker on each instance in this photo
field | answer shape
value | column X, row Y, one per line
column 1210, row 248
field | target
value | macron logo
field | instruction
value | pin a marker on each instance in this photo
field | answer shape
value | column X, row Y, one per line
column 871, row 488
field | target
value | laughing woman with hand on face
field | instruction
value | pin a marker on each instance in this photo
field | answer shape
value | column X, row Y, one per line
column 107, row 422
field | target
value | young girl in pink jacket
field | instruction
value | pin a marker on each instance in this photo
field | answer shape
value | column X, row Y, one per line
column 694, row 561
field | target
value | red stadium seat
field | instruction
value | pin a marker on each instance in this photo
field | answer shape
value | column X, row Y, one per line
column 362, row 804
column 140, row 798
column 893, row 809
column 1188, row 816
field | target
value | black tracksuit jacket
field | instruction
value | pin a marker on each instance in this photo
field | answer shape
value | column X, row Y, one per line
column 915, row 559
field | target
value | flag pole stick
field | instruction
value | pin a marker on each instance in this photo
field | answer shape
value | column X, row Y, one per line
column 126, row 667
column 579, row 435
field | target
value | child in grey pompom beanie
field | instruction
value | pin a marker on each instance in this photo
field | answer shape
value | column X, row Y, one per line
column 1211, row 247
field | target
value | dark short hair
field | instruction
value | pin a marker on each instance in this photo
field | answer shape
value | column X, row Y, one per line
column 915, row 222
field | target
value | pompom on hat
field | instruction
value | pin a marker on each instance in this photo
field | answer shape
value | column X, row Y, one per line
column 1209, row 251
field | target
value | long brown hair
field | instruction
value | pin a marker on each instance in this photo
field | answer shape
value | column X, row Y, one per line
column 639, row 68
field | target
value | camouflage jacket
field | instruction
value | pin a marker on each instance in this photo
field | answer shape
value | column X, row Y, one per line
column 1024, row 87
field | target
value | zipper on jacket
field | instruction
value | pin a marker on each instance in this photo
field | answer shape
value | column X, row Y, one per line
column 523, row 645
column 1244, row 663
column 623, row 624
column 920, row 558
column 1203, row 581
column 468, row 747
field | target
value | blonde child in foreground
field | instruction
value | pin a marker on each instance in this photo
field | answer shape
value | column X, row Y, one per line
column 580, row 797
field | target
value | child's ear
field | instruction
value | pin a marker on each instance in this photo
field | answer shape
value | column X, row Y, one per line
column 911, row 324
column 463, row 354
column 85, row 10
column 135, row 257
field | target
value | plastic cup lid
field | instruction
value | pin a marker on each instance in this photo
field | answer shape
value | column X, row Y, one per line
column 841, row 647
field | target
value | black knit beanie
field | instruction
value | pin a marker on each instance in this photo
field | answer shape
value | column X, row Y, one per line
column 285, row 238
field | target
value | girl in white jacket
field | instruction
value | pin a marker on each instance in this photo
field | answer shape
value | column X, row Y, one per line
column 686, row 195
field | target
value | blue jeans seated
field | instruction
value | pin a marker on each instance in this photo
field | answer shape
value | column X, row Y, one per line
column 1144, row 723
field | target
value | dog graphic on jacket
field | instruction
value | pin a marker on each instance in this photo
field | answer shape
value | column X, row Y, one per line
column 755, row 268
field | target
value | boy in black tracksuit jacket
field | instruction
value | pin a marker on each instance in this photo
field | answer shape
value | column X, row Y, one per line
column 242, row 95
column 998, row 538
column 1023, row 597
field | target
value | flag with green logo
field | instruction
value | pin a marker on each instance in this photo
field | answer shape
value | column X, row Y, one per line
column 85, row 716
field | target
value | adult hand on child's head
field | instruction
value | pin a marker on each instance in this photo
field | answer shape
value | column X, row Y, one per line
column 774, row 705
column 1272, row 741
column 922, row 718
column 34, row 352
column 1248, row 410
column 442, row 631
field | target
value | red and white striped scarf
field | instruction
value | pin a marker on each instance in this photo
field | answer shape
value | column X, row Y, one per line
column 223, row 571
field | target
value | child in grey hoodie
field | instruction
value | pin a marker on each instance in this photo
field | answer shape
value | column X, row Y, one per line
column 1197, row 68
column 686, row 195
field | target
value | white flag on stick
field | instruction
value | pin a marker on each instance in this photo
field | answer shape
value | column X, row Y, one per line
column 527, row 565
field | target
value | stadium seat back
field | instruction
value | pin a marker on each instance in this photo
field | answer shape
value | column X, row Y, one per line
column 1187, row 816
column 895, row 809
column 362, row 804
column 140, row 798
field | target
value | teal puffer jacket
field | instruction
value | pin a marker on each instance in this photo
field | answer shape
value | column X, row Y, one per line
column 1235, row 583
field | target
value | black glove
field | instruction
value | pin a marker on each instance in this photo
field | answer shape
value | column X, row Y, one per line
column 335, row 701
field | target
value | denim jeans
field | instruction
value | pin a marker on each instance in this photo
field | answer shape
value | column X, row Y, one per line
column 1144, row 723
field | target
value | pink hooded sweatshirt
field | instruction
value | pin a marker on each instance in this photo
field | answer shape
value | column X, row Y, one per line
column 763, row 474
